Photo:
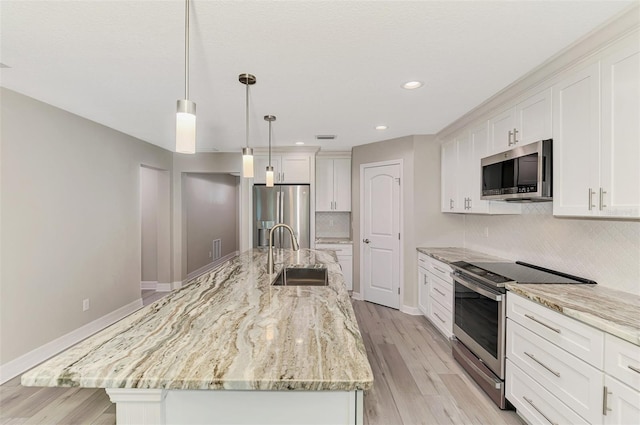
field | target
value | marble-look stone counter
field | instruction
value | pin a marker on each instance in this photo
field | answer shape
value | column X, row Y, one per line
column 451, row 255
column 611, row 311
column 227, row 329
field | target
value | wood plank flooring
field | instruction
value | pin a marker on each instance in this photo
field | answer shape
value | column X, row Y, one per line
column 417, row 381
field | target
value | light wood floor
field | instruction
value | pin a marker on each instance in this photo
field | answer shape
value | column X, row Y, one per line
column 417, row 381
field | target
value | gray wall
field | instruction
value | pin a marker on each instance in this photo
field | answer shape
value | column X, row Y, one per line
column 149, row 222
column 212, row 207
column 70, row 221
column 423, row 223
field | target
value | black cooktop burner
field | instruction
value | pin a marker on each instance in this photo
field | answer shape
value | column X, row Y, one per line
column 499, row 274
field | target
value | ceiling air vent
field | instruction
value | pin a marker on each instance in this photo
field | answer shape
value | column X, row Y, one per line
column 326, row 137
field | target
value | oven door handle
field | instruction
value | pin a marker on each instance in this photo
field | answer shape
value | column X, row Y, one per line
column 480, row 290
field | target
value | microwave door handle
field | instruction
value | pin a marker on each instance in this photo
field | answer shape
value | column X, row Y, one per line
column 476, row 288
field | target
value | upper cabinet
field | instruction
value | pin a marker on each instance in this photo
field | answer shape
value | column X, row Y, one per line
column 526, row 122
column 461, row 174
column 287, row 168
column 333, row 184
column 596, row 145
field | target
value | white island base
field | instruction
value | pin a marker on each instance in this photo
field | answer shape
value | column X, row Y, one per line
column 213, row 407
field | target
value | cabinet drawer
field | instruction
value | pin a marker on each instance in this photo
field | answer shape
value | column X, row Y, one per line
column 441, row 318
column 622, row 360
column 441, row 292
column 581, row 340
column 574, row 382
column 533, row 402
column 438, row 268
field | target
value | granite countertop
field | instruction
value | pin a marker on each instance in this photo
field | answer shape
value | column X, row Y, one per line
column 333, row 240
column 611, row 311
column 227, row 329
column 451, row 255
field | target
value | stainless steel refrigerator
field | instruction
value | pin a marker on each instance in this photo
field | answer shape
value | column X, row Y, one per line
column 287, row 204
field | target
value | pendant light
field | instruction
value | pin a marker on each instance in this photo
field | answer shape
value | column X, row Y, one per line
column 247, row 152
column 269, row 178
column 186, row 113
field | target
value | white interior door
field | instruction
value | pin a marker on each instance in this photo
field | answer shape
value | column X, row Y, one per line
column 381, row 234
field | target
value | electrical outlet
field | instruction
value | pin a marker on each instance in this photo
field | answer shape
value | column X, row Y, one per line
column 85, row 304
column 486, row 232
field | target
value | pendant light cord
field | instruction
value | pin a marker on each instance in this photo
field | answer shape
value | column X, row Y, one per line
column 247, row 109
column 269, row 143
column 186, row 50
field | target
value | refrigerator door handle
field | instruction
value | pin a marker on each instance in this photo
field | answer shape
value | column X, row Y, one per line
column 281, row 230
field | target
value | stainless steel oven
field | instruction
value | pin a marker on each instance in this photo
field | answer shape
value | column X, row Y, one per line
column 479, row 310
column 480, row 325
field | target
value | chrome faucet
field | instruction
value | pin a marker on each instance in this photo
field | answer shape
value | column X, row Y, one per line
column 294, row 244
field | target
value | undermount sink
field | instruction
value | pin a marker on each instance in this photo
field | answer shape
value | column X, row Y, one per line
column 301, row 276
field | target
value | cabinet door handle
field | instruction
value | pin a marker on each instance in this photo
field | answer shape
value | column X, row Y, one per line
column 283, row 176
column 605, row 401
column 532, row 357
column 469, row 203
column 450, row 204
column 438, row 316
column 439, row 292
column 440, row 270
column 510, row 134
column 591, row 193
column 602, row 205
column 528, row 316
column 633, row 368
column 515, row 136
column 539, row 411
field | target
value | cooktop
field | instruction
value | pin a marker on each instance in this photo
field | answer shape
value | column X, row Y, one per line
column 499, row 274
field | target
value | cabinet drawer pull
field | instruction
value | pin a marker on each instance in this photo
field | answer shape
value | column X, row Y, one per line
column 591, row 193
column 438, row 316
column 439, row 269
column 532, row 357
column 605, row 401
column 439, row 292
column 539, row 411
column 602, row 205
column 528, row 316
column 633, row 368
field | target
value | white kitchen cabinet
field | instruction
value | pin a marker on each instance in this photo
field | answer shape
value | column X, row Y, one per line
column 596, row 144
column 344, row 252
column 435, row 293
column 622, row 403
column 461, row 175
column 287, row 168
column 527, row 122
column 561, row 370
column 333, row 184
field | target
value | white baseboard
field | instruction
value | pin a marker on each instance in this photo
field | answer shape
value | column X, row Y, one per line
column 164, row 287
column 34, row 357
column 202, row 270
column 148, row 285
column 357, row 296
column 414, row 311
column 177, row 284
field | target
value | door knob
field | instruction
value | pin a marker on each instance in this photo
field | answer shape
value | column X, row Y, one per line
column 366, row 240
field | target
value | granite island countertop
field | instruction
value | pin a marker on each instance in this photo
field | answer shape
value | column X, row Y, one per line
column 227, row 329
column 611, row 311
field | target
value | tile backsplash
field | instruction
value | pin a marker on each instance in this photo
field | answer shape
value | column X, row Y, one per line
column 333, row 224
column 607, row 251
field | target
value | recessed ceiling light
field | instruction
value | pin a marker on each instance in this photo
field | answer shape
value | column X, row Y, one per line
column 299, row 143
column 412, row 85
column 381, row 127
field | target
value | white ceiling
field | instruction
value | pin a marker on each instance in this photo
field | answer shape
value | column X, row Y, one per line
column 323, row 67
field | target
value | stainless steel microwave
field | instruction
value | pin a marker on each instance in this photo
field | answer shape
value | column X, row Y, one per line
column 522, row 174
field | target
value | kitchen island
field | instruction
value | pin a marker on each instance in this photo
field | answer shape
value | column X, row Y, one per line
column 229, row 347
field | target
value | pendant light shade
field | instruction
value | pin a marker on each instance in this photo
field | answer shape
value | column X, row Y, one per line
column 247, row 152
column 269, row 176
column 186, row 111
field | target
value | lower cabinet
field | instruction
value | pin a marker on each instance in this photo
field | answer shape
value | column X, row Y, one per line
column 344, row 252
column 435, row 293
column 560, row 370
